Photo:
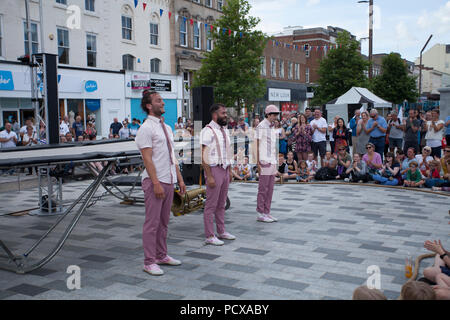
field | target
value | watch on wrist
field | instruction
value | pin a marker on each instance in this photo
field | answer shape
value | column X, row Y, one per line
column 443, row 255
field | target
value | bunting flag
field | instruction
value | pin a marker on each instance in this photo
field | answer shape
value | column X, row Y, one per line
column 184, row 19
column 144, row 5
column 136, row 3
column 224, row 30
column 176, row 18
column 235, row 32
column 212, row 28
column 229, row 32
column 240, row 34
column 161, row 12
column 191, row 22
column 218, row 29
column 170, row 14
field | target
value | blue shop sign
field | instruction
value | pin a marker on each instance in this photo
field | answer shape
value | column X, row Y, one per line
column 6, row 80
column 92, row 104
column 90, row 86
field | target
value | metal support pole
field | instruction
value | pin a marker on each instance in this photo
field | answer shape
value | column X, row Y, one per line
column 370, row 38
column 421, row 66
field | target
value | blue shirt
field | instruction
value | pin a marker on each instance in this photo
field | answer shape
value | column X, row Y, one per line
column 376, row 133
column 447, row 131
column 353, row 125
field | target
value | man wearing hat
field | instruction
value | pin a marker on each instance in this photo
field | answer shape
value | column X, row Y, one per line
column 266, row 143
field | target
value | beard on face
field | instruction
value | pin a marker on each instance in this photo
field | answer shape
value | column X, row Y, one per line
column 222, row 121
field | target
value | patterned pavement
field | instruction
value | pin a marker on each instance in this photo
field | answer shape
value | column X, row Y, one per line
column 326, row 237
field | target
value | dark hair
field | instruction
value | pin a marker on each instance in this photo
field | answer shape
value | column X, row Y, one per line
column 308, row 109
column 215, row 107
column 147, row 99
column 400, row 151
column 343, row 124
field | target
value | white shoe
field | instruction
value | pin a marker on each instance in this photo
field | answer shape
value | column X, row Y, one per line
column 346, row 180
column 227, row 236
column 153, row 269
column 214, row 241
column 272, row 217
column 264, row 218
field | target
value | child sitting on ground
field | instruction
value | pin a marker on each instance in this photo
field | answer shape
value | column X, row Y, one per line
column 303, row 174
column 413, row 176
column 291, row 167
column 312, row 164
column 282, row 167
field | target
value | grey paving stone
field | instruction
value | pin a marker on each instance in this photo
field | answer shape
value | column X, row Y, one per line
column 231, row 291
column 58, row 285
column 332, row 251
column 6, row 294
column 343, row 278
column 27, row 289
column 158, row 295
column 212, row 278
column 239, row 268
column 290, row 241
column 294, row 263
column 293, row 285
column 201, row 255
column 344, row 258
column 42, row 272
column 413, row 217
column 125, row 279
column 252, row 251
column 413, row 244
column 396, row 260
column 97, row 258
column 337, row 230
column 377, row 248
column 342, row 221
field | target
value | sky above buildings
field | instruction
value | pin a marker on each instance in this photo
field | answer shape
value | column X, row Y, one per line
column 399, row 25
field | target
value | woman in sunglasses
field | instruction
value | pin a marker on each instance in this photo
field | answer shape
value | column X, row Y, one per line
column 372, row 159
column 424, row 160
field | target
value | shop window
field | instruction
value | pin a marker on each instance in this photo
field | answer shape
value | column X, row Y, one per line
column 75, row 108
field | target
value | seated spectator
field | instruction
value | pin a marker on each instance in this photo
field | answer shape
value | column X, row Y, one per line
column 90, row 132
column 80, row 138
column 390, row 172
column 364, row 293
column 312, row 164
column 243, row 171
column 327, row 159
column 344, row 161
column 417, row 290
column 29, row 138
column 372, row 159
column 400, row 155
column 434, row 174
column 410, row 156
column 413, row 176
column 62, row 139
column 357, row 172
column 282, row 167
column 327, row 172
column 442, row 287
column 303, row 174
column 424, row 159
column 69, row 137
column 441, row 260
column 291, row 167
column 444, row 184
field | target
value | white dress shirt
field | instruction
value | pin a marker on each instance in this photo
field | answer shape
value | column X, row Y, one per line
column 208, row 139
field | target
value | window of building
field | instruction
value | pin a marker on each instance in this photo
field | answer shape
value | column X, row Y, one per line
column 209, row 40
column 273, row 67
column 196, row 1
column 63, row 46
column 263, row 66
column 128, row 62
column 89, row 5
column 307, row 75
column 62, row 2
column 281, row 68
column 91, row 48
column 34, row 38
column 290, row 70
column 297, row 71
column 155, row 65
column 127, row 28
column 183, row 32
column 197, row 44
column 208, row 3
column 154, row 34
column 219, row 5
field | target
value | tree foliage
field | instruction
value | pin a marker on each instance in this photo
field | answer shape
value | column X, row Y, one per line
column 233, row 66
column 342, row 69
column 394, row 84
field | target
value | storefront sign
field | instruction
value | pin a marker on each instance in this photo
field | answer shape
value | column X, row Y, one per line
column 6, row 80
column 90, row 86
column 92, row 104
column 161, row 85
column 140, row 84
column 279, row 94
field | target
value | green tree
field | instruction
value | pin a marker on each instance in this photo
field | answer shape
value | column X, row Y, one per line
column 342, row 69
column 233, row 66
column 394, row 84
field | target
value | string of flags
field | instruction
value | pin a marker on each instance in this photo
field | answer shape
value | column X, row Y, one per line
column 212, row 28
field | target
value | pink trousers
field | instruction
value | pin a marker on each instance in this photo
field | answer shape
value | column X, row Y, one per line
column 265, row 192
column 215, row 201
column 157, row 214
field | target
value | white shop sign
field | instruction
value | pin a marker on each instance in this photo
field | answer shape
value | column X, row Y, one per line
column 279, row 94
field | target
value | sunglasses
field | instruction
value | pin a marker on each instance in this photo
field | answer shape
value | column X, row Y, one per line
column 368, row 148
column 427, row 150
column 446, row 150
column 342, row 149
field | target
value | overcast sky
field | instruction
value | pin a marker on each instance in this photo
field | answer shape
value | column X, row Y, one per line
column 399, row 25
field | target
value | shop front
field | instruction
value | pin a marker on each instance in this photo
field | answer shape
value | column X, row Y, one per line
column 289, row 97
column 96, row 96
column 168, row 86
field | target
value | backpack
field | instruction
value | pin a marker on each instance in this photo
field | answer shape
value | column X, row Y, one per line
column 322, row 174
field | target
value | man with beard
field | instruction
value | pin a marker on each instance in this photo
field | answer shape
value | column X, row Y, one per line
column 155, row 142
column 216, row 161
column 266, row 145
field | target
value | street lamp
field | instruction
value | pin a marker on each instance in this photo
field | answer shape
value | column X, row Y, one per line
column 420, row 66
column 370, row 2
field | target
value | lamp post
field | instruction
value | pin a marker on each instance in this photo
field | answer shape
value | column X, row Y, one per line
column 420, row 66
column 370, row 2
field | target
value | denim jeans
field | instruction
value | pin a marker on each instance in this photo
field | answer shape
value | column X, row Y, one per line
column 435, row 182
column 385, row 181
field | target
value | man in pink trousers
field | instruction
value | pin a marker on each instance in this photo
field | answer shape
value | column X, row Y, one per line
column 266, row 151
column 216, row 161
column 155, row 142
